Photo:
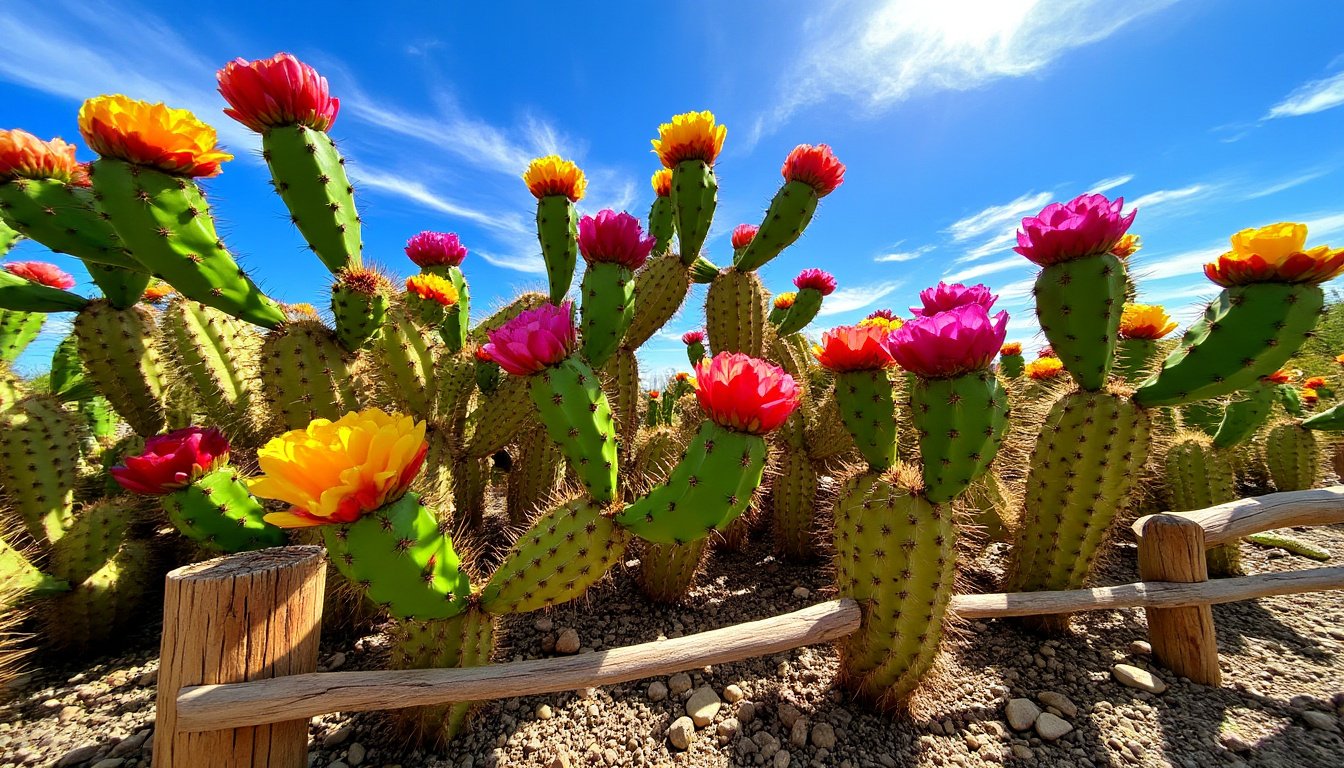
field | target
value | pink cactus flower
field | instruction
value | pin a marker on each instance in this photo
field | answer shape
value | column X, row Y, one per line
column 41, row 272
column 693, row 337
column 743, row 234
column 816, row 279
column 743, row 393
column 534, row 340
column 1084, row 226
column 614, row 237
column 816, row 167
column 277, row 91
column 951, row 343
column 436, row 249
column 173, row 461
column 942, row 297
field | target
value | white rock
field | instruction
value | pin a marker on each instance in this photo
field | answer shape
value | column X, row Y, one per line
column 1021, row 714
column 733, row 694
column 703, row 706
column 679, row 683
column 782, row 759
column 1050, row 727
column 568, row 641
column 1058, row 701
column 1140, row 648
column 681, row 733
column 657, row 690
column 1134, row 677
column 355, row 754
column 823, row 736
column 544, row 712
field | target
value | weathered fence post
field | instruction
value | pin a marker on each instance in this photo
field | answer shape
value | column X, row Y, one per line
column 1171, row 548
column 249, row 616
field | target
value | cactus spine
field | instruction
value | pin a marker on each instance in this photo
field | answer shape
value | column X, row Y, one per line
column 1134, row 359
column 306, row 374
column 123, row 360
column 1293, row 456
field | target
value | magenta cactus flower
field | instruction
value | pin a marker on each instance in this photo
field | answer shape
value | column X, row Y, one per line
column 1084, row 226
column 951, row 343
column 534, row 340
column 818, row 280
column 614, row 237
column 436, row 249
column 944, row 296
column 743, row 234
column 693, row 337
column 173, row 461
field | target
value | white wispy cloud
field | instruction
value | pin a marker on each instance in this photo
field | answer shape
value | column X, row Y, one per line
column 1106, row 185
column 858, row 297
column 996, row 216
column 416, row 191
column 1153, row 199
column 897, row 257
column 530, row 263
column 1310, row 98
column 989, row 268
column 1287, row 184
column 996, row 245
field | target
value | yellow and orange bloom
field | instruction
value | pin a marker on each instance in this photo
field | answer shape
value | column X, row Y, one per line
column 1145, row 321
column 553, row 175
column 887, row 324
column 432, row 288
column 1339, row 359
column 156, row 291
column 1128, row 246
column 662, row 182
column 170, row 140
column 301, row 311
column 1310, row 396
column 24, row 156
column 785, row 300
column 1281, row 376
column 1275, row 254
column 337, row 471
column 1011, row 348
column 1044, row 368
column 1315, row 382
column 690, row 136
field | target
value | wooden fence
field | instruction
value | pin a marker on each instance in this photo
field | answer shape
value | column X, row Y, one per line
column 237, row 679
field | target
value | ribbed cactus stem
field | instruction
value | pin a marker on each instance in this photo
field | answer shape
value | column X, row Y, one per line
column 572, row 406
column 534, row 475
column 793, row 504
column 109, row 574
column 735, row 314
column 308, row 172
column 39, row 464
column 123, row 361
column 608, row 292
column 667, row 571
column 695, row 195
column 660, row 289
column 457, row 642
column 790, row 212
column 1134, row 359
column 216, row 356
column 359, row 300
column 403, row 356
column 1079, row 303
column 1198, row 476
column 1294, row 457
column 558, row 231
column 306, row 374
column 961, row 422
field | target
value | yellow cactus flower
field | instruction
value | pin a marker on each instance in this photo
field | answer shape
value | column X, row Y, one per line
column 1128, row 246
column 662, row 182
column 785, row 300
column 690, row 136
column 432, row 288
column 887, row 324
column 553, row 175
column 1275, row 254
column 1145, row 321
column 337, row 471
column 170, row 140
column 1044, row 368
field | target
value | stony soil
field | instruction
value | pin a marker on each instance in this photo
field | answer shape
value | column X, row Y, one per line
column 1281, row 705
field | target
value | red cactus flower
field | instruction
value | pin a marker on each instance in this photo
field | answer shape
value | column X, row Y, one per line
column 816, row 279
column 436, row 249
column 653, row 394
column 41, row 272
column 533, row 340
column 1315, row 382
column 743, row 393
column 854, row 348
column 693, row 337
column 1281, row 376
column 173, row 461
column 743, row 234
column 23, row 155
column 611, row 237
column 816, row 167
column 885, row 314
column 277, row 91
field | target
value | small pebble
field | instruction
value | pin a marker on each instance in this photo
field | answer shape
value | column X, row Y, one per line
column 544, row 712
column 823, row 736
column 355, row 754
column 567, row 642
column 727, row 730
column 1320, row 720
column 1050, row 728
column 679, row 683
column 703, row 706
column 681, row 733
column 1021, row 714
column 1140, row 648
column 338, row 736
column 657, row 690
column 733, row 694
column 802, row 593
column 1141, row 679
column 745, row 712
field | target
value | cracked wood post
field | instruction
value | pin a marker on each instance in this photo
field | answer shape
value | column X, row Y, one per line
column 249, row 616
column 1171, row 549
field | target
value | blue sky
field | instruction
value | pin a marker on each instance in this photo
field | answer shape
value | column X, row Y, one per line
column 956, row 119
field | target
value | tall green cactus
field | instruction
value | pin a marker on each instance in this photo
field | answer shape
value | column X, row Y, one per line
column 215, row 355
column 735, row 314
column 306, row 374
column 39, row 464
column 124, row 362
column 1294, row 457
column 1197, row 476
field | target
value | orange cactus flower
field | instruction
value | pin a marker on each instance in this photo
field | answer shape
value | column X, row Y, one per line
column 171, row 140
column 553, row 175
column 156, row 291
column 653, row 394
column 1275, row 254
column 301, row 311
column 690, row 136
column 1281, row 376
column 1128, row 246
column 1145, row 321
column 24, row 156
column 432, row 288
column 1044, row 368
column 854, row 348
column 1011, row 348
column 662, row 182
column 785, row 300
column 1339, row 359
column 1315, row 382
column 1310, row 396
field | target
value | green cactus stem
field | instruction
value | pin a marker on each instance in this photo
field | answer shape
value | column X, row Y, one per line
column 217, row 511
column 121, row 287
column 806, row 305
column 99, row 421
column 1011, row 366
column 574, row 410
column 470, row 479
column 895, row 554
column 9, row 237
column 456, row 376
column 735, row 313
column 1204, row 416
column 1248, row 332
column 499, row 418
column 523, row 302
column 708, row 489
column 359, row 300
column 667, row 571
column 660, row 289
column 703, row 271
column 166, row 223
column 608, row 308
column 1134, row 359
column 987, row 501
column 695, row 195
column 961, row 422
column 20, row 295
column 457, row 318
column 793, row 504
column 1196, row 475
column 867, row 407
column 19, row 578
column 17, row 331
column 1243, row 418
column 789, row 214
column 215, row 355
column 457, row 642
column 1294, row 457
column 403, row 358
column 62, row 217
column 308, row 172
column 827, row 436
column 662, row 223
column 1289, row 544
column 538, row 467
column 306, row 374
column 1085, row 464
column 1079, row 303
column 123, row 361
column 1329, row 420
column 558, row 233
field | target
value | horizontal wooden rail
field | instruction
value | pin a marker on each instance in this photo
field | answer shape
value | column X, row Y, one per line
column 1231, row 521
column 1147, row 594
column 220, row 707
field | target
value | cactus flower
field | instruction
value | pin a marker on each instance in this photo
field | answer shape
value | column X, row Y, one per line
column 436, row 249
column 1046, row 351
column 662, row 182
column 301, row 311
column 1011, row 348
column 553, row 175
column 818, row 280
column 1314, row 382
column 173, row 461
column 432, row 288
column 156, row 292
column 1281, row 376
column 815, row 166
column 885, row 314
column 337, row 471
column 887, row 324
column 281, row 90
column 653, row 394
column 854, row 348
column 1084, row 226
column 1275, row 254
column 951, row 343
column 743, row 234
column 42, row 273
column 1044, row 368
column 785, row 300
column 614, row 237
column 1145, row 321
column 943, row 297
column 744, row 393
column 171, row 140
column 1127, row 246
column 24, row 156
column 534, row 339
column 1310, row 396
column 698, row 337
column 690, row 136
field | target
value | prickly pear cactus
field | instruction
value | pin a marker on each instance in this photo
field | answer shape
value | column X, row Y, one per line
column 867, row 408
column 39, row 464
column 309, row 174
column 215, row 355
column 961, row 422
column 736, row 308
column 667, row 571
column 123, row 361
column 1079, row 304
column 660, row 289
column 464, row 640
column 306, row 374
column 572, row 406
column 1293, row 456
column 218, row 512
column 17, row 331
column 61, row 217
column 1197, row 475
column 538, row 467
column 1243, row 417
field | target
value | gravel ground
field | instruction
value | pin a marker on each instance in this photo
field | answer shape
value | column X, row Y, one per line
column 1282, row 702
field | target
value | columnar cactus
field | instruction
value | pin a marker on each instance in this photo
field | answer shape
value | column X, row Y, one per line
column 1011, row 364
column 124, row 361
column 861, row 362
column 1197, row 475
column 307, row 374
column 359, row 300
column 216, row 356
column 39, row 464
column 689, row 146
column 1294, row 457
column 557, row 184
column 813, row 285
column 810, row 173
column 441, row 254
column 614, row 246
